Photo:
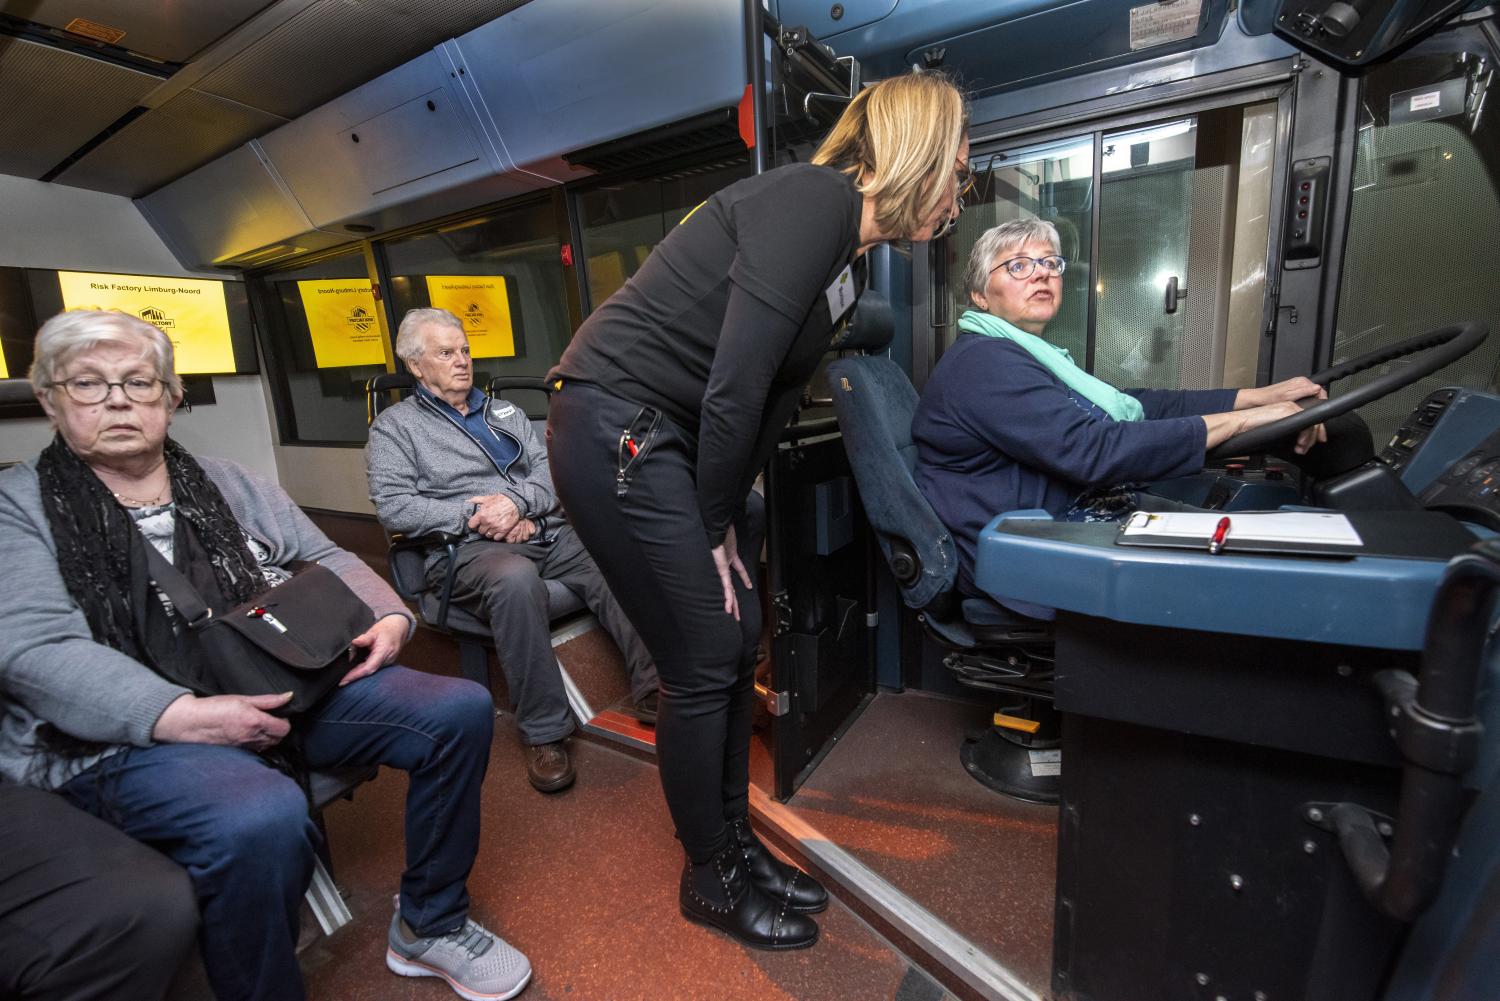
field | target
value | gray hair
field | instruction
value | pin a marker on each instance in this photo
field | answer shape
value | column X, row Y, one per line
column 409, row 334
column 1006, row 236
column 76, row 332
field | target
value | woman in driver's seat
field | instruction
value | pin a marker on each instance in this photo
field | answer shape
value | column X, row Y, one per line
column 1008, row 421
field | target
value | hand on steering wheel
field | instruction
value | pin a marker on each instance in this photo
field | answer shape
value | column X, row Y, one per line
column 1438, row 348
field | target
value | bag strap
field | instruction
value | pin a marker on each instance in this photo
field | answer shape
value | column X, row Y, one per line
column 184, row 596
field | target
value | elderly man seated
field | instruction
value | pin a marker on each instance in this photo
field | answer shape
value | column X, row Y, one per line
column 448, row 459
column 1008, row 421
column 90, row 645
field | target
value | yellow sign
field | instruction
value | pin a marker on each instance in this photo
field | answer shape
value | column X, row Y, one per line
column 483, row 303
column 190, row 311
column 341, row 318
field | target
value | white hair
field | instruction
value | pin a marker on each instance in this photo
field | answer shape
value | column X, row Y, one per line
column 1006, row 236
column 76, row 332
column 409, row 341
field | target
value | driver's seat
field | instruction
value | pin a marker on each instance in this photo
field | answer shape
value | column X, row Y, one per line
column 987, row 646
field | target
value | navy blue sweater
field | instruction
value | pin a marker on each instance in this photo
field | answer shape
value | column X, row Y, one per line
column 996, row 431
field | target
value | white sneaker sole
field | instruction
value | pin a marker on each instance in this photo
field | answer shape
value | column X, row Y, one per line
column 410, row 968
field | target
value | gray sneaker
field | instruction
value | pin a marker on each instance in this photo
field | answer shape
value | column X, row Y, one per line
column 478, row 964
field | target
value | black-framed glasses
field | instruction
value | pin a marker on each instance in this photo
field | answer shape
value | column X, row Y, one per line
column 90, row 389
column 1022, row 268
column 966, row 178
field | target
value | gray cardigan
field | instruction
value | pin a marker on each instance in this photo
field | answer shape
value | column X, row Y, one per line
column 51, row 670
column 424, row 466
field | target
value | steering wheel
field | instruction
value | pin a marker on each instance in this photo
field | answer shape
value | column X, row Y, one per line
column 1439, row 348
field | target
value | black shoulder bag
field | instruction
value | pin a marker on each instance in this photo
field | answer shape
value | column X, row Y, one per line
column 294, row 637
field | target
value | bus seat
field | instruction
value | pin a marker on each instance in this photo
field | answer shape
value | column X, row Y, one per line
column 408, row 556
column 323, row 896
column 987, row 647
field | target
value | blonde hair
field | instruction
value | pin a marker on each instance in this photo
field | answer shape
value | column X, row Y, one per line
column 899, row 140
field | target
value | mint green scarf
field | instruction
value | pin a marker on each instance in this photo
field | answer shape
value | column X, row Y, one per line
column 1118, row 405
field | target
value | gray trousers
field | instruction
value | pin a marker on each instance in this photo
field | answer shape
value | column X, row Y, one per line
column 503, row 583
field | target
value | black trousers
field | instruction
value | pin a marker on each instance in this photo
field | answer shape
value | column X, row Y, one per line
column 638, row 516
column 86, row 912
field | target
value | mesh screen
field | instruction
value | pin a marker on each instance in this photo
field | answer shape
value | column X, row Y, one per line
column 1142, row 221
column 1206, row 299
column 336, row 45
column 1420, row 255
column 165, row 143
column 55, row 101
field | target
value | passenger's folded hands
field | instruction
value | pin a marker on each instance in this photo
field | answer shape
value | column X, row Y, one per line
column 494, row 516
column 521, row 531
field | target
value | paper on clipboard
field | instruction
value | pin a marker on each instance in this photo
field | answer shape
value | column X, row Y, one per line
column 1280, row 527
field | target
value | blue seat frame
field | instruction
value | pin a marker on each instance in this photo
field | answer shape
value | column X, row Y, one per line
column 986, row 646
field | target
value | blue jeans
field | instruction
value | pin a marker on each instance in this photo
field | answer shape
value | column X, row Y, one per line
column 242, row 830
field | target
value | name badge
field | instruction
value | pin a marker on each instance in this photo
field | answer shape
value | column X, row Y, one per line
column 498, row 410
column 840, row 294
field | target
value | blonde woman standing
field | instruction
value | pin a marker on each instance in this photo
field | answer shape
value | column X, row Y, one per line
column 669, row 401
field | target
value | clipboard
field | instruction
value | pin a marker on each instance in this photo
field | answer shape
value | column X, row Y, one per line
column 1420, row 535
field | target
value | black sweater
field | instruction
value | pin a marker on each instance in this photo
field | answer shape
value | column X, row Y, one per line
column 726, row 320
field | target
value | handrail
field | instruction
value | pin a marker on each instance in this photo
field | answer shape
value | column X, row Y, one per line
column 1436, row 728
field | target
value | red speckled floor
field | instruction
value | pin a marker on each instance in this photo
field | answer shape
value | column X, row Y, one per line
column 893, row 793
column 584, row 882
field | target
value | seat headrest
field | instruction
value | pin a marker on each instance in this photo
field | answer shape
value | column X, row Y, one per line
column 16, row 391
column 390, row 380
column 870, row 328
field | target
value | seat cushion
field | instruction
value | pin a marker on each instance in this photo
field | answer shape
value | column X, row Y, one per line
column 561, row 600
column 460, row 620
column 327, row 784
column 992, row 622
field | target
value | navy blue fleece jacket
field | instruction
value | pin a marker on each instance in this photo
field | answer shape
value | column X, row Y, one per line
column 996, row 431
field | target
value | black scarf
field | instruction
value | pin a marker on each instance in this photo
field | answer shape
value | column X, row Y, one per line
column 102, row 558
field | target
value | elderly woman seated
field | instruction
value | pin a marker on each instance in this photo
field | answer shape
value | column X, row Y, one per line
column 85, row 708
column 1008, row 421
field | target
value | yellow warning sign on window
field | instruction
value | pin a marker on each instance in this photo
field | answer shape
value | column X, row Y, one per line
column 483, row 303
column 190, row 311
column 341, row 319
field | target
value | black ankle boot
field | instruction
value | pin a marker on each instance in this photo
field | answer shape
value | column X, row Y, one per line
column 719, row 893
column 774, row 877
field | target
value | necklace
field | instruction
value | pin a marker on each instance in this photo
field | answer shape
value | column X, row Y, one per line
column 135, row 502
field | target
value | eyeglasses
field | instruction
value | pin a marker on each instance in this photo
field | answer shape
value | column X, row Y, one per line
column 966, row 178
column 1022, row 268
column 89, row 389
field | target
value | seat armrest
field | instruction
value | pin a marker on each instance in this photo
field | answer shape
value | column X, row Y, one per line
column 428, row 541
column 408, row 575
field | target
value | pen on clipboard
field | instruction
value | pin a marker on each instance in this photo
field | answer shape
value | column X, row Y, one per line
column 1216, row 541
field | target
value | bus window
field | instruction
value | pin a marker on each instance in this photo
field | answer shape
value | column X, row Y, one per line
column 502, row 275
column 1420, row 252
column 322, row 341
column 1054, row 182
column 1182, row 201
column 621, row 222
column 1145, row 211
column 1184, row 206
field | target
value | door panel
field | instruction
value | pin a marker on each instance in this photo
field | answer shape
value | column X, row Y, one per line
column 1145, row 218
column 817, row 550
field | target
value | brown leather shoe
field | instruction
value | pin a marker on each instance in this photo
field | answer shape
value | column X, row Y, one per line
column 549, row 768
